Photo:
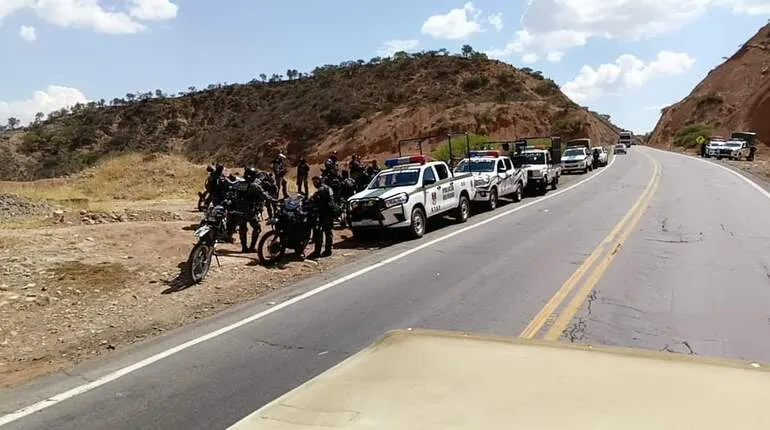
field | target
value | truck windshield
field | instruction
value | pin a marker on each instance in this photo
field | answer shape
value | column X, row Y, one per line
column 475, row 166
column 573, row 152
column 398, row 178
column 534, row 158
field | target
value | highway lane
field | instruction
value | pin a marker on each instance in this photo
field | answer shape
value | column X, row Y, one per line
column 492, row 279
column 695, row 275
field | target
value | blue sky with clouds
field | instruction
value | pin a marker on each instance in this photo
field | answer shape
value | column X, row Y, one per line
column 626, row 58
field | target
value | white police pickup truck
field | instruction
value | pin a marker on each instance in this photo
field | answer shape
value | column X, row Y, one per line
column 494, row 175
column 411, row 190
column 541, row 171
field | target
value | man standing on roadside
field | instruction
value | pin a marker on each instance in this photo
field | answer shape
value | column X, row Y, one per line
column 279, row 171
column 303, row 170
column 322, row 231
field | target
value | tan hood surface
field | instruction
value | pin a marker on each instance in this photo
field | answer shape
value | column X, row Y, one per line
column 441, row 380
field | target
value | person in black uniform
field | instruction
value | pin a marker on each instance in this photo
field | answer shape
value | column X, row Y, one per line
column 303, row 170
column 216, row 186
column 250, row 197
column 322, row 200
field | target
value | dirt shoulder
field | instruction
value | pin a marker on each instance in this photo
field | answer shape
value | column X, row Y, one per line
column 73, row 292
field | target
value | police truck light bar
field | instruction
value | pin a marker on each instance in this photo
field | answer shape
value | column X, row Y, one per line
column 484, row 153
column 411, row 159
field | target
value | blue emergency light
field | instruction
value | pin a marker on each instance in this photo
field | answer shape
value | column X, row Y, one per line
column 484, row 153
column 411, row 159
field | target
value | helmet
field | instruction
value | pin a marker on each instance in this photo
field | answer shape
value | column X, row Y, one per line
column 209, row 169
column 281, row 156
column 219, row 168
column 250, row 173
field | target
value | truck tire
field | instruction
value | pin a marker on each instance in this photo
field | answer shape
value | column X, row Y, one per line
column 493, row 199
column 419, row 223
column 463, row 210
column 518, row 193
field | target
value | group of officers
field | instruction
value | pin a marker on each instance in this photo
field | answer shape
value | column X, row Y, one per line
column 258, row 190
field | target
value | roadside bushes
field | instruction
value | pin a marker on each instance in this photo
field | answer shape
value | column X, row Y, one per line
column 687, row 136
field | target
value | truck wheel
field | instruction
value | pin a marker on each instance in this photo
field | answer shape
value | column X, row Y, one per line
column 517, row 194
column 418, row 223
column 463, row 209
column 493, row 199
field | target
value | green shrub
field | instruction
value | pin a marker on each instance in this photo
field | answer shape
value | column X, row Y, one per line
column 687, row 136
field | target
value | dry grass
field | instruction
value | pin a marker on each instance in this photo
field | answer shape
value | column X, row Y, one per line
column 127, row 178
column 84, row 277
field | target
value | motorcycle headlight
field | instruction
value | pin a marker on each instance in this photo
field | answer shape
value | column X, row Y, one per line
column 398, row 199
column 481, row 181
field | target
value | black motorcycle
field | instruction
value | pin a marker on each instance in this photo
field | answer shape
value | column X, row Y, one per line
column 292, row 225
column 212, row 230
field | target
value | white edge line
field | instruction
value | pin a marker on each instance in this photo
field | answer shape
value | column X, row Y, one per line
column 712, row 163
column 76, row 391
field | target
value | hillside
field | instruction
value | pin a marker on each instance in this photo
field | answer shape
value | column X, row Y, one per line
column 355, row 107
column 735, row 96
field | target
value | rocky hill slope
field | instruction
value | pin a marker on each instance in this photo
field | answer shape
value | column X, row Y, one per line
column 355, row 107
column 735, row 96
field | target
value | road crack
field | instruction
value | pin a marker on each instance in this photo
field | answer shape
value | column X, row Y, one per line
column 576, row 332
column 297, row 347
column 671, row 348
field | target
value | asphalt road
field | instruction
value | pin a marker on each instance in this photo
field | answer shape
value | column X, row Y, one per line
column 694, row 273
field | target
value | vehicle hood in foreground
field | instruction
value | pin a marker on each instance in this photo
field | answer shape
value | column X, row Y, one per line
column 434, row 380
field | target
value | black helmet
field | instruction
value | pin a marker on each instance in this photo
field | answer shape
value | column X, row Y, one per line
column 209, row 169
column 219, row 168
column 250, row 173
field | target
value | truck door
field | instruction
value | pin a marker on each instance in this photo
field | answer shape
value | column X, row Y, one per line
column 505, row 178
column 511, row 174
column 432, row 194
column 448, row 198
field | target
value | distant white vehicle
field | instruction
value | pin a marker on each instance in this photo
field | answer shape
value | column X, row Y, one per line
column 494, row 176
column 620, row 149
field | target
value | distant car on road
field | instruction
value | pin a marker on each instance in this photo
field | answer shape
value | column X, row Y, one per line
column 620, row 149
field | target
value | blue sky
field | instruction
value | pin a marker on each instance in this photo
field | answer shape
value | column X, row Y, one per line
column 67, row 50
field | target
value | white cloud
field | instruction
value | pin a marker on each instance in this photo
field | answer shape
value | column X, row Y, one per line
column 53, row 98
column 28, row 33
column 496, row 20
column 91, row 14
column 390, row 47
column 557, row 25
column 153, row 10
column 555, row 56
column 456, row 24
column 529, row 58
column 627, row 72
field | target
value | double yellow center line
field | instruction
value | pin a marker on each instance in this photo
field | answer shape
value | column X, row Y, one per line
column 554, row 324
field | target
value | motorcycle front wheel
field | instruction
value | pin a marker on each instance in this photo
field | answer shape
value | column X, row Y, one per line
column 199, row 261
column 270, row 249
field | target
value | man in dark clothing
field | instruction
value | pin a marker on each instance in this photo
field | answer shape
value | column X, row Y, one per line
column 703, row 149
column 330, row 166
column 363, row 179
column 279, row 170
column 303, row 170
column 355, row 166
column 216, row 185
column 266, row 182
column 249, row 199
column 375, row 167
column 348, row 186
column 322, row 200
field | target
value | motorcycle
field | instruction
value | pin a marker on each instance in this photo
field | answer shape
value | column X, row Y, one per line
column 292, row 225
column 212, row 230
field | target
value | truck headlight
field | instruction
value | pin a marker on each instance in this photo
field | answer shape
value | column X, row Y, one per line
column 481, row 181
column 398, row 199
